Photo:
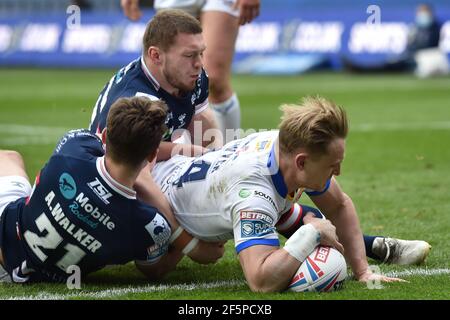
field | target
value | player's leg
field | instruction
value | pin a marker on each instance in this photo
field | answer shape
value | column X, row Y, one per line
column 220, row 31
column 396, row 251
column 14, row 182
column 12, row 164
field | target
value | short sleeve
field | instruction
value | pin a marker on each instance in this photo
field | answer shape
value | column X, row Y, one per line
column 152, row 232
column 80, row 144
column 254, row 217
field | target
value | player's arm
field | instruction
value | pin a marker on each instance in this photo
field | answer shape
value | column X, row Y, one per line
column 169, row 149
column 248, row 10
column 295, row 217
column 270, row 268
column 203, row 129
column 339, row 208
column 80, row 143
column 166, row 264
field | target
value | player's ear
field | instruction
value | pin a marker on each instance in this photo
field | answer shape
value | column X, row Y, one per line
column 300, row 159
column 154, row 53
column 152, row 157
column 104, row 136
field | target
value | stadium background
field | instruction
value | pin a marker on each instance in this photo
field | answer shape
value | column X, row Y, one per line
column 396, row 166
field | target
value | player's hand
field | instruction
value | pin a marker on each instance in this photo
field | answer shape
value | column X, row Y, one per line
column 369, row 276
column 248, row 10
column 131, row 9
column 207, row 252
column 328, row 236
column 188, row 150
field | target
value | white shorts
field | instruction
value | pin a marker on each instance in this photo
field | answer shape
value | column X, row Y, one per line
column 195, row 7
column 11, row 189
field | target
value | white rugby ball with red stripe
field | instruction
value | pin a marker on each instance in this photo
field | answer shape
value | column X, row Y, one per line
column 323, row 270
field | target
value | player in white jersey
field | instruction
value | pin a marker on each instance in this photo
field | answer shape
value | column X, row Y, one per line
column 224, row 182
column 242, row 190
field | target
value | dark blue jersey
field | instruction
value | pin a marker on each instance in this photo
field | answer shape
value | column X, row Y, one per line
column 77, row 214
column 136, row 80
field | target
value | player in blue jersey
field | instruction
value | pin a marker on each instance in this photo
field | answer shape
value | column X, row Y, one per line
column 170, row 69
column 220, row 20
column 82, row 209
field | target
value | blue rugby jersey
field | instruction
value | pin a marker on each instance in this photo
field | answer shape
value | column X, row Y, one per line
column 77, row 214
column 136, row 80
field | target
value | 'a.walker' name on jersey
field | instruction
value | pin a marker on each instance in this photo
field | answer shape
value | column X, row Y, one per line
column 84, row 238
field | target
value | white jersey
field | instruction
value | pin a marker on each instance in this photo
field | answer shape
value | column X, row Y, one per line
column 235, row 192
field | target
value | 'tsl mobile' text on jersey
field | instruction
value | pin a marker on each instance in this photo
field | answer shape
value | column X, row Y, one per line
column 77, row 214
column 235, row 192
column 136, row 80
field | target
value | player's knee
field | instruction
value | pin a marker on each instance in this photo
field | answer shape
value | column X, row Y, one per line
column 11, row 163
column 219, row 83
column 11, row 156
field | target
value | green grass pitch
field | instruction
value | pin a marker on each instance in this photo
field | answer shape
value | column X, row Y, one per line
column 396, row 169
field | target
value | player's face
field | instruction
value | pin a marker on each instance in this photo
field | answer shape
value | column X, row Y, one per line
column 319, row 169
column 184, row 61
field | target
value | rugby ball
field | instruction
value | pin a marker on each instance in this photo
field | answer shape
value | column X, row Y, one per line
column 323, row 270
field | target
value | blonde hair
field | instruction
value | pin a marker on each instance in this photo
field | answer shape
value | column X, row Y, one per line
column 312, row 125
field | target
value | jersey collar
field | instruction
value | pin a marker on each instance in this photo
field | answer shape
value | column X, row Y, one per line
column 275, row 173
column 116, row 186
column 149, row 76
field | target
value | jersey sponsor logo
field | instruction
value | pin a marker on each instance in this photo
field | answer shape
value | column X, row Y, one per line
column 255, row 224
column 244, row 193
column 159, row 230
column 74, row 207
column 100, row 190
column 260, row 194
column 93, row 211
column 67, row 186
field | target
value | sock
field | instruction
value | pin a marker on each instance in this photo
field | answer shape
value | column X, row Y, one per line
column 368, row 242
column 228, row 116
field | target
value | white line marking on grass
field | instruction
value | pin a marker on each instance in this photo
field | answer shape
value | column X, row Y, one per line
column 30, row 130
column 110, row 293
column 369, row 127
column 418, row 272
column 23, row 141
column 20, row 135
column 116, row 292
